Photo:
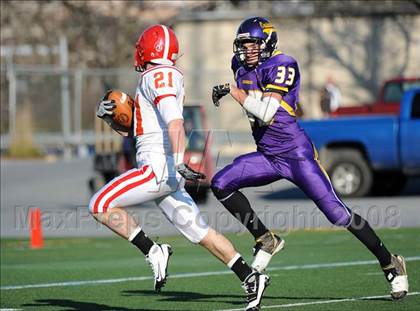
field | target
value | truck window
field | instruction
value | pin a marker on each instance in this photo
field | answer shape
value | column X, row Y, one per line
column 394, row 90
column 415, row 109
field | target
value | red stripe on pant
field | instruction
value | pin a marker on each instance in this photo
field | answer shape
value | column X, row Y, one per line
column 127, row 188
column 115, row 184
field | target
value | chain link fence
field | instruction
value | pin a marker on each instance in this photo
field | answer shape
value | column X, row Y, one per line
column 54, row 108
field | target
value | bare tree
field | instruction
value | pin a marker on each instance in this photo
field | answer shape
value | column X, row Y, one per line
column 362, row 55
column 99, row 33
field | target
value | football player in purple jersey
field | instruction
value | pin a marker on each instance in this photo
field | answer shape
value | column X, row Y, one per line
column 267, row 87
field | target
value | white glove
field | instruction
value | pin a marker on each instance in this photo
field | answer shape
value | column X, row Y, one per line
column 105, row 108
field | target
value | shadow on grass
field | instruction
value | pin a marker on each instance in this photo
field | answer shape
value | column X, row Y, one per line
column 173, row 296
column 72, row 305
column 178, row 296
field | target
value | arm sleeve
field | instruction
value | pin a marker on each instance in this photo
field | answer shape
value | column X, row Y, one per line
column 264, row 109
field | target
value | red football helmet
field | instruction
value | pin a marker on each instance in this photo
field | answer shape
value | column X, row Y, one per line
column 158, row 45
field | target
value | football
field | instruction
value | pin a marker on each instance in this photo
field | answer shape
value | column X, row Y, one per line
column 123, row 111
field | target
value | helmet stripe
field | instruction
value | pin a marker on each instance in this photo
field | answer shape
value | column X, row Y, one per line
column 166, row 51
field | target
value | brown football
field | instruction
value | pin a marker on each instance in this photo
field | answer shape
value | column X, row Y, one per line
column 123, row 112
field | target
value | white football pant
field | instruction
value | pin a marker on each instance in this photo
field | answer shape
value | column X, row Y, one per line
column 154, row 180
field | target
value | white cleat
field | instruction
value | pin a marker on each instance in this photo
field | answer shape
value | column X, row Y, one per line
column 267, row 246
column 396, row 275
column 254, row 286
column 158, row 259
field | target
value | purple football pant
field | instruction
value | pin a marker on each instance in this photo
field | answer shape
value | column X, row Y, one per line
column 304, row 170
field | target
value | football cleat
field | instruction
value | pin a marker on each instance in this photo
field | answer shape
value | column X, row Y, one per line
column 267, row 246
column 254, row 286
column 396, row 275
column 158, row 259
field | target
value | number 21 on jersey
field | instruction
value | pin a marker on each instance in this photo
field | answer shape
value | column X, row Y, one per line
column 285, row 75
column 161, row 80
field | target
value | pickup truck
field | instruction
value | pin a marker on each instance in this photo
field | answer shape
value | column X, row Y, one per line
column 370, row 154
column 388, row 101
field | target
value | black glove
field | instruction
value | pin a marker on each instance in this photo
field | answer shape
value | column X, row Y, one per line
column 219, row 91
column 188, row 173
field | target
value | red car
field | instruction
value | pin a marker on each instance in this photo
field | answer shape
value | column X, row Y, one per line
column 388, row 102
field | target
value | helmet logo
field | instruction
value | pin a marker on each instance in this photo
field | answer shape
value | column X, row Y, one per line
column 159, row 47
column 268, row 28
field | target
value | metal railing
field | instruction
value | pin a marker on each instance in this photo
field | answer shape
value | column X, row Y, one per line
column 61, row 103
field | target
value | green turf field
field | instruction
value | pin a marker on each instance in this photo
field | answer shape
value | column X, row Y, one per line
column 305, row 276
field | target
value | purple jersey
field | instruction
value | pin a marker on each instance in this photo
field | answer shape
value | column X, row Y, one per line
column 279, row 73
column 284, row 150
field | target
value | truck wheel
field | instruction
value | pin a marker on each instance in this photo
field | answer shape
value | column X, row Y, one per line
column 388, row 183
column 349, row 172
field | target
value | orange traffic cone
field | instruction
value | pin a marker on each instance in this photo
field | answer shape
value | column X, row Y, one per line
column 37, row 241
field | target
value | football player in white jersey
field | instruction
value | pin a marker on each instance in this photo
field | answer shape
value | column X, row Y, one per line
column 160, row 143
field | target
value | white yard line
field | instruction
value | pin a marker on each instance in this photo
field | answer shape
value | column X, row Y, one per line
column 321, row 302
column 374, row 273
column 195, row 274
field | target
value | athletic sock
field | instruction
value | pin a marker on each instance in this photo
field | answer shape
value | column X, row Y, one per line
column 238, row 205
column 361, row 229
column 141, row 240
column 239, row 267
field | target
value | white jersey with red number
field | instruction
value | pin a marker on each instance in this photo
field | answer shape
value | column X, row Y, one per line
column 159, row 100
